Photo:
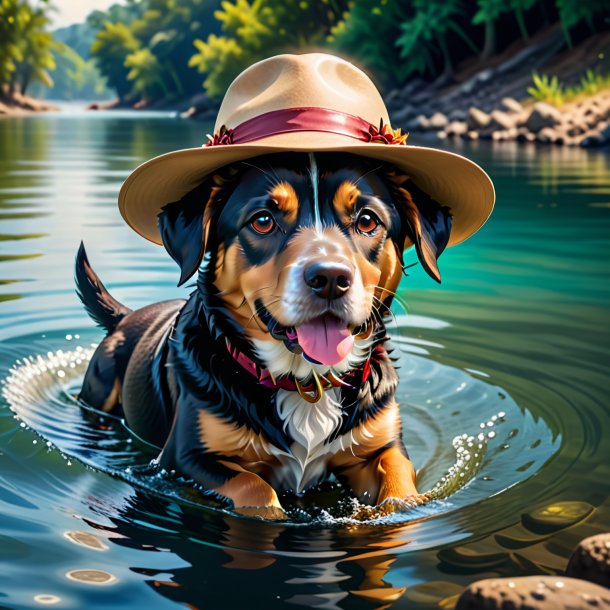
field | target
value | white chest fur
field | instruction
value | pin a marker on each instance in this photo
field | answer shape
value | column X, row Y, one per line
column 310, row 425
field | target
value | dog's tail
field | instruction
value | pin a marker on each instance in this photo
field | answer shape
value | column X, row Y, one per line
column 104, row 309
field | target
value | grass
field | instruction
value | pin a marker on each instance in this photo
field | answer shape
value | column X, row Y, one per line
column 550, row 90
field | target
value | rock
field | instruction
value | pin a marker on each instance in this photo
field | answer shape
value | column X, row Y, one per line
column 591, row 560
column 501, row 120
column 421, row 122
column 542, row 115
column 473, row 135
column 556, row 516
column 477, row 118
column 546, row 135
column 511, row 104
column 456, row 128
column 534, row 593
column 438, row 121
column 599, row 136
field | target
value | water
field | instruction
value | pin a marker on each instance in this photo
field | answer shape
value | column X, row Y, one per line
column 518, row 328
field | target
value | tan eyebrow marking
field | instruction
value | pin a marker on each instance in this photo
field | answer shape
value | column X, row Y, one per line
column 287, row 200
column 345, row 198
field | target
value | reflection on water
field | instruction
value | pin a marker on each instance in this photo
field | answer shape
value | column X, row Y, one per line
column 523, row 308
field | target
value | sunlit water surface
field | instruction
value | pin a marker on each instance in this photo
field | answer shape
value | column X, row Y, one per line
column 504, row 381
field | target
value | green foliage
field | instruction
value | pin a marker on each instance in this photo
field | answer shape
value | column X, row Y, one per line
column 546, row 89
column 367, row 33
column 25, row 45
column 112, row 44
column 425, row 34
column 572, row 12
column 255, row 29
column 550, row 90
column 145, row 71
column 164, row 49
column 74, row 77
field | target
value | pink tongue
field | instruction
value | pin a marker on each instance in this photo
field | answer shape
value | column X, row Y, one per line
column 325, row 339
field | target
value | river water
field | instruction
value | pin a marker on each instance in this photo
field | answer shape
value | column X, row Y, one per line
column 504, row 382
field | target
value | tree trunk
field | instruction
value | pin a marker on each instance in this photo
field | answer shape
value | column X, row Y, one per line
column 521, row 23
column 490, row 40
column 447, row 64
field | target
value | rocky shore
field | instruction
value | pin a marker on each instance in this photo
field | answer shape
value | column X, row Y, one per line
column 585, row 123
column 492, row 101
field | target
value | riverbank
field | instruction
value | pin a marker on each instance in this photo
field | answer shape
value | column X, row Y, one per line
column 19, row 105
column 491, row 100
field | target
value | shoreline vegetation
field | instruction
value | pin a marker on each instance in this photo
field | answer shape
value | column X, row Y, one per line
column 472, row 70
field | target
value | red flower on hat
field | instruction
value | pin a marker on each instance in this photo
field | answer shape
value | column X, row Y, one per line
column 384, row 134
column 224, row 136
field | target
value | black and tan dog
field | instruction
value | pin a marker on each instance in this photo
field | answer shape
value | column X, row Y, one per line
column 274, row 374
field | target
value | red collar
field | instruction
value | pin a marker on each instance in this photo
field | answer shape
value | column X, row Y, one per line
column 311, row 392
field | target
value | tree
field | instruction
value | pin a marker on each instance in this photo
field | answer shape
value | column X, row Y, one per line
column 427, row 31
column 255, row 29
column 10, row 51
column 25, row 45
column 572, row 12
column 489, row 12
column 145, row 72
column 112, row 44
column 36, row 49
column 249, row 28
column 368, row 32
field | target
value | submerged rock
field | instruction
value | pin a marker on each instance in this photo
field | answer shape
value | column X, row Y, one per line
column 591, row 560
column 556, row 516
column 534, row 593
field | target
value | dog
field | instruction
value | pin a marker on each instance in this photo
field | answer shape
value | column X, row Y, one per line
column 276, row 373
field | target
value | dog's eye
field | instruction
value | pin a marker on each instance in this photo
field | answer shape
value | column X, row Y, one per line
column 263, row 223
column 367, row 223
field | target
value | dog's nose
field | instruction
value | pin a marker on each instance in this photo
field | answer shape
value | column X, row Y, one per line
column 329, row 280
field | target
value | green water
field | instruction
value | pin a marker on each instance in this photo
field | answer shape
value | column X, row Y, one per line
column 519, row 325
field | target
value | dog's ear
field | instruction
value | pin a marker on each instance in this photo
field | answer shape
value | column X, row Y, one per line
column 185, row 224
column 426, row 223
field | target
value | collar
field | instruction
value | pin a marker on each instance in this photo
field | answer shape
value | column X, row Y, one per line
column 312, row 392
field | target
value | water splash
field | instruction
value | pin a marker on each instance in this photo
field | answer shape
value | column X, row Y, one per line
column 40, row 391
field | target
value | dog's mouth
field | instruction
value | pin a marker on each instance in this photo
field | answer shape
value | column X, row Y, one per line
column 325, row 339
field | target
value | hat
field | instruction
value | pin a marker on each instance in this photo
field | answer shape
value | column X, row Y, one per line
column 312, row 102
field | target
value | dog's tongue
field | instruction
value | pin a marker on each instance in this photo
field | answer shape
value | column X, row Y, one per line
column 325, row 339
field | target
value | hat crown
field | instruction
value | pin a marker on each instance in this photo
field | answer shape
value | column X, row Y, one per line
column 315, row 80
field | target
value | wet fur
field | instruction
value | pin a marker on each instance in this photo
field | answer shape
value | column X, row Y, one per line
column 168, row 368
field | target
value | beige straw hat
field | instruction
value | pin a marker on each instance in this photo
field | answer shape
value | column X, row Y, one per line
column 306, row 103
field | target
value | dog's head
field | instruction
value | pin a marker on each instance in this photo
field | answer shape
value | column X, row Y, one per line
column 305, row 250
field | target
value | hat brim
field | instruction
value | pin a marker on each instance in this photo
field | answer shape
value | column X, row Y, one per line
column 448, row 178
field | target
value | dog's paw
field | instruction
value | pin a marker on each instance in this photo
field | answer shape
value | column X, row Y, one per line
column 272, row 513
column 397, row 505
column 389, row 506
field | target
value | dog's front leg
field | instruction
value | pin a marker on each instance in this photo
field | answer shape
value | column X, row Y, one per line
column 386, row 476
column 249, row 493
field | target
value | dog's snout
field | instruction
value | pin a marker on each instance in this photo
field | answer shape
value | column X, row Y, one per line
column 328, row 279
